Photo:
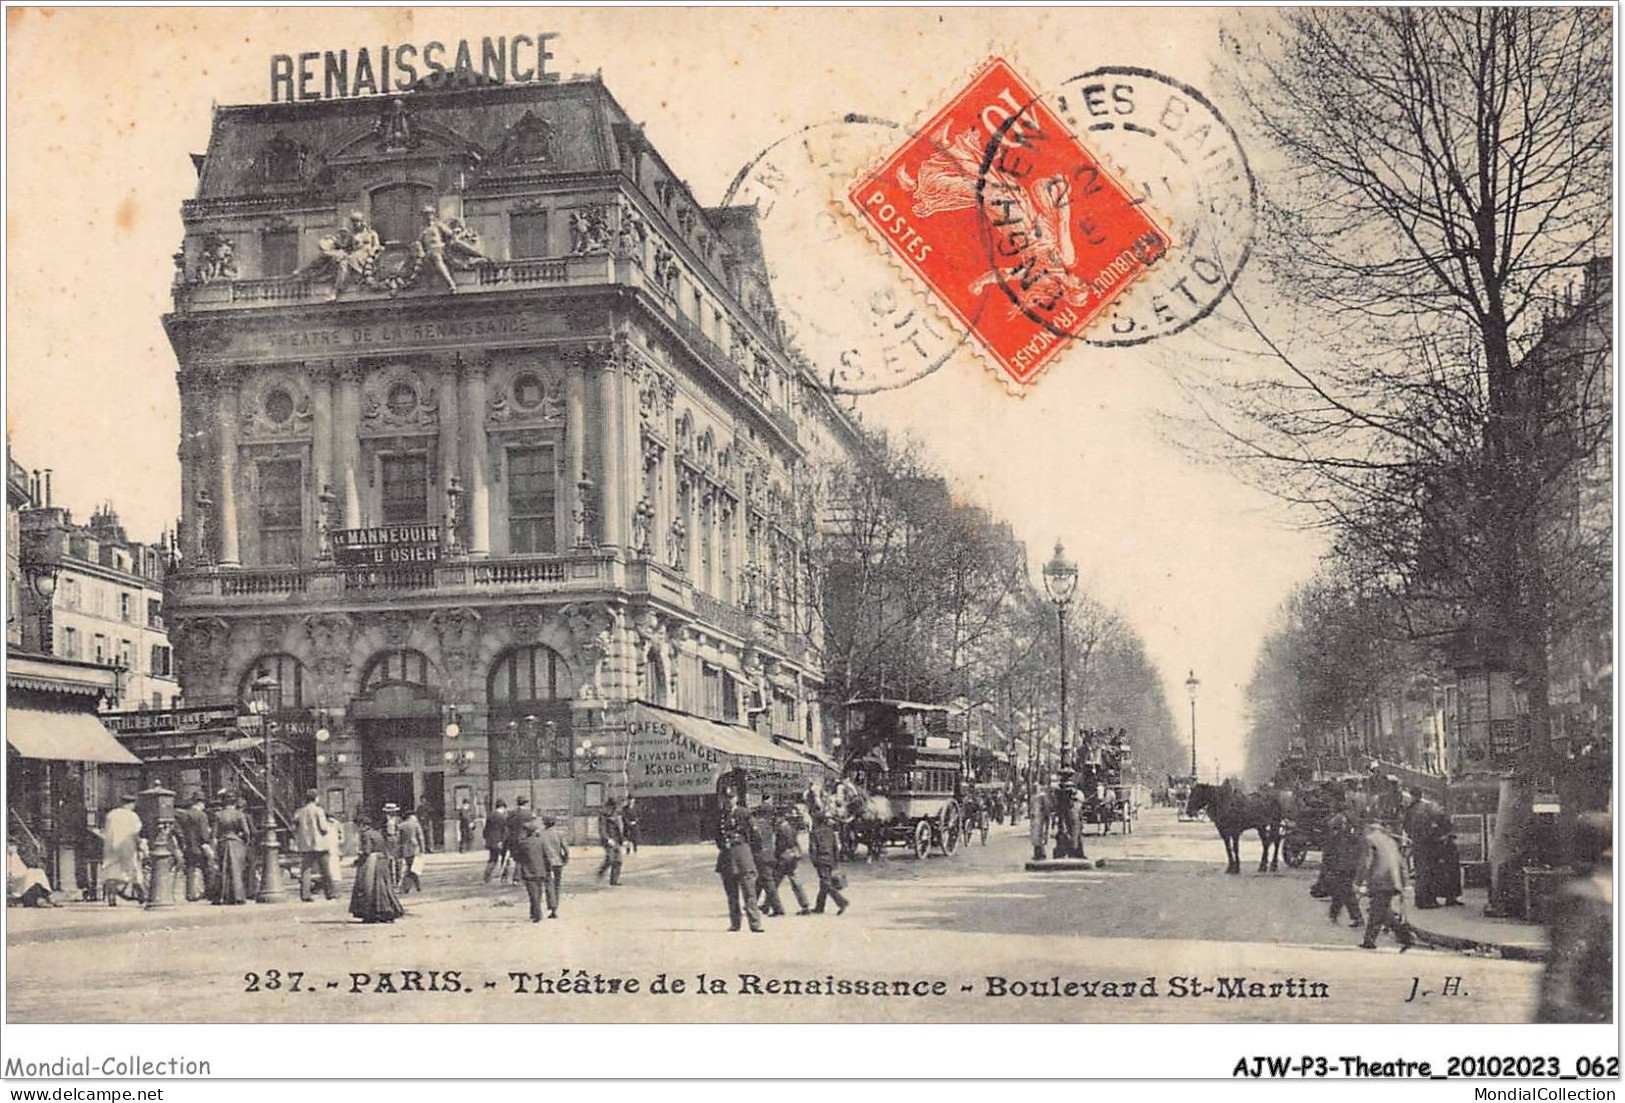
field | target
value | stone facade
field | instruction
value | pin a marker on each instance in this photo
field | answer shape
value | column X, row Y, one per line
column 472, row 389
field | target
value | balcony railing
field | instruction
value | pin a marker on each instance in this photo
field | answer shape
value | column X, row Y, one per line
column 518, row 575
column 493, row 276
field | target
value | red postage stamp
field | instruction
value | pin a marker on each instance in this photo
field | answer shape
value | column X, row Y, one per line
column 1018, row 230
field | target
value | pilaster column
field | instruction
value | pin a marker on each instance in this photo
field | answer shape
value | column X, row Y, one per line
column 347, row 441
column 575, row 439
column 321, row 441
column 226, row 490
column 194, row 389
column 451, row 460
column 611, row 459
column 476, row 480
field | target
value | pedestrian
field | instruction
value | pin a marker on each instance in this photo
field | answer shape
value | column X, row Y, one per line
column 373, row 899
column 629, row 820
column 736, row 863
column 231, row 833
column 763, row 840
column 555, row 855
column 193, row 831
column 520, row 815
column 392, row 844
column 123, row 848
column 414, row 845
column 1419, row 829
column 465, row 825
column 1381, row 871
column 531, row 861
column 1339, row 856
column 1577, row 985
column 612, row 834
column 1447, row 870
column 824, row 849
column 27, row 886
column 787, row 856
column 496, row 839
column 310, row 842
column 1038, row 814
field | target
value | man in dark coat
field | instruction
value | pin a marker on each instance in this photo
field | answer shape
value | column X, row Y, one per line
column 496, row 838
column 555, row 856
column 824, row 849
column 787, row 856
column 531, row 858
column 193, row 830
column 521, row 815
column 1341, row 852
column 762, row 843
column 612, row 835
column 1419, row 827
column 736, row 863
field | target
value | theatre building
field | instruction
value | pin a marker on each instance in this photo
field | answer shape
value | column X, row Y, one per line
column 497, row 469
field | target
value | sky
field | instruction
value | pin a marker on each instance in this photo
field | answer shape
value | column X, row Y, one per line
column 105, row 107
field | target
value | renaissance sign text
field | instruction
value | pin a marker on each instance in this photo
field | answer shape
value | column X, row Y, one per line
column 370, row 71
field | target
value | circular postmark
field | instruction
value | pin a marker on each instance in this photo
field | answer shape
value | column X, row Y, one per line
column 1154, row 142
column 847, row 307
column 1179, row 156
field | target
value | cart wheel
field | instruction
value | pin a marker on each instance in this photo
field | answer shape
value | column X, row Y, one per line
column 922, row 838
column 951, row 829
column 1293, row 851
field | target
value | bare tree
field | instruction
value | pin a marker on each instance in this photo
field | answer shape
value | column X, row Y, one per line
column 1444, row 179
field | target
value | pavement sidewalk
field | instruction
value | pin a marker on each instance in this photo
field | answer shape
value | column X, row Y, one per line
column 1468, row 929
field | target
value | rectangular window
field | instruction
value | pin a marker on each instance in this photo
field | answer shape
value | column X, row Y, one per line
column 155, row 613
column 281, row 512
column 126, row 654
column 157, row 700
column 532, row 490
column 161, row 661
column 406, row 489
column 70, row 593
column 725, row 555
column 730, row 699
column 279, row 253
column 70, row 643
column 126, row 606
column 707, row 539
column 711, row 689
column 528, row 231
column 99, row 651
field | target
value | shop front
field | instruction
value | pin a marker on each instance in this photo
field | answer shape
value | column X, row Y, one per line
column 677, row 765
column 53, row 786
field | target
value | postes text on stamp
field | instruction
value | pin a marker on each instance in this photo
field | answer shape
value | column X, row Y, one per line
column 1021, row 233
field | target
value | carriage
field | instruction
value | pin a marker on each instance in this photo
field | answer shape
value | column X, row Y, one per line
column 908, row 756
column 1103, row 780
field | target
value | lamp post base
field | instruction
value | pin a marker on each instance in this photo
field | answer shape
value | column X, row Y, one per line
column 272, row 889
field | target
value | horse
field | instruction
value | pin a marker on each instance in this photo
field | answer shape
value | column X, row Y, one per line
column 859, row 817
column 1234, row 812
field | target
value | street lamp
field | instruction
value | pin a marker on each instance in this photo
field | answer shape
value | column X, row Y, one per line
column 1191, row 686
column 40, row 557
column 271, row 890
column 1060, row 581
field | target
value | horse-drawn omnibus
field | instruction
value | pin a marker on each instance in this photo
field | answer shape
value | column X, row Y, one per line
column 908, row 761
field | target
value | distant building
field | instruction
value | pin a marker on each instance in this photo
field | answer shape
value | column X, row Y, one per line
column 59, row 756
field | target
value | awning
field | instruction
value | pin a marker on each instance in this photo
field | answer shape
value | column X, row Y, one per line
column 674, row 754
column 61, row 736
column 822, row 759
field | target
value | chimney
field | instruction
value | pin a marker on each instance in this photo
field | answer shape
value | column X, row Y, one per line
column 47, row 488
column 33, row 487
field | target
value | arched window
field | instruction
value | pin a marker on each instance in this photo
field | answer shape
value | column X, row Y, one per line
column 289, row 693
column 399, row 667
column 526, row 675
column 528, row 720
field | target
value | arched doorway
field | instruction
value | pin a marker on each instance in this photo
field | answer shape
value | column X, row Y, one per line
column 528, row 726
column 398, row 719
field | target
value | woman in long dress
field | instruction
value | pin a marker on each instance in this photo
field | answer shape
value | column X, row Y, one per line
column 373, row 899
column 231, row 832
column 122, row 847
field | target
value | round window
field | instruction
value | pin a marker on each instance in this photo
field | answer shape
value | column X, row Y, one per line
column 528, row 391
column 402, row 399
column 279, row 405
